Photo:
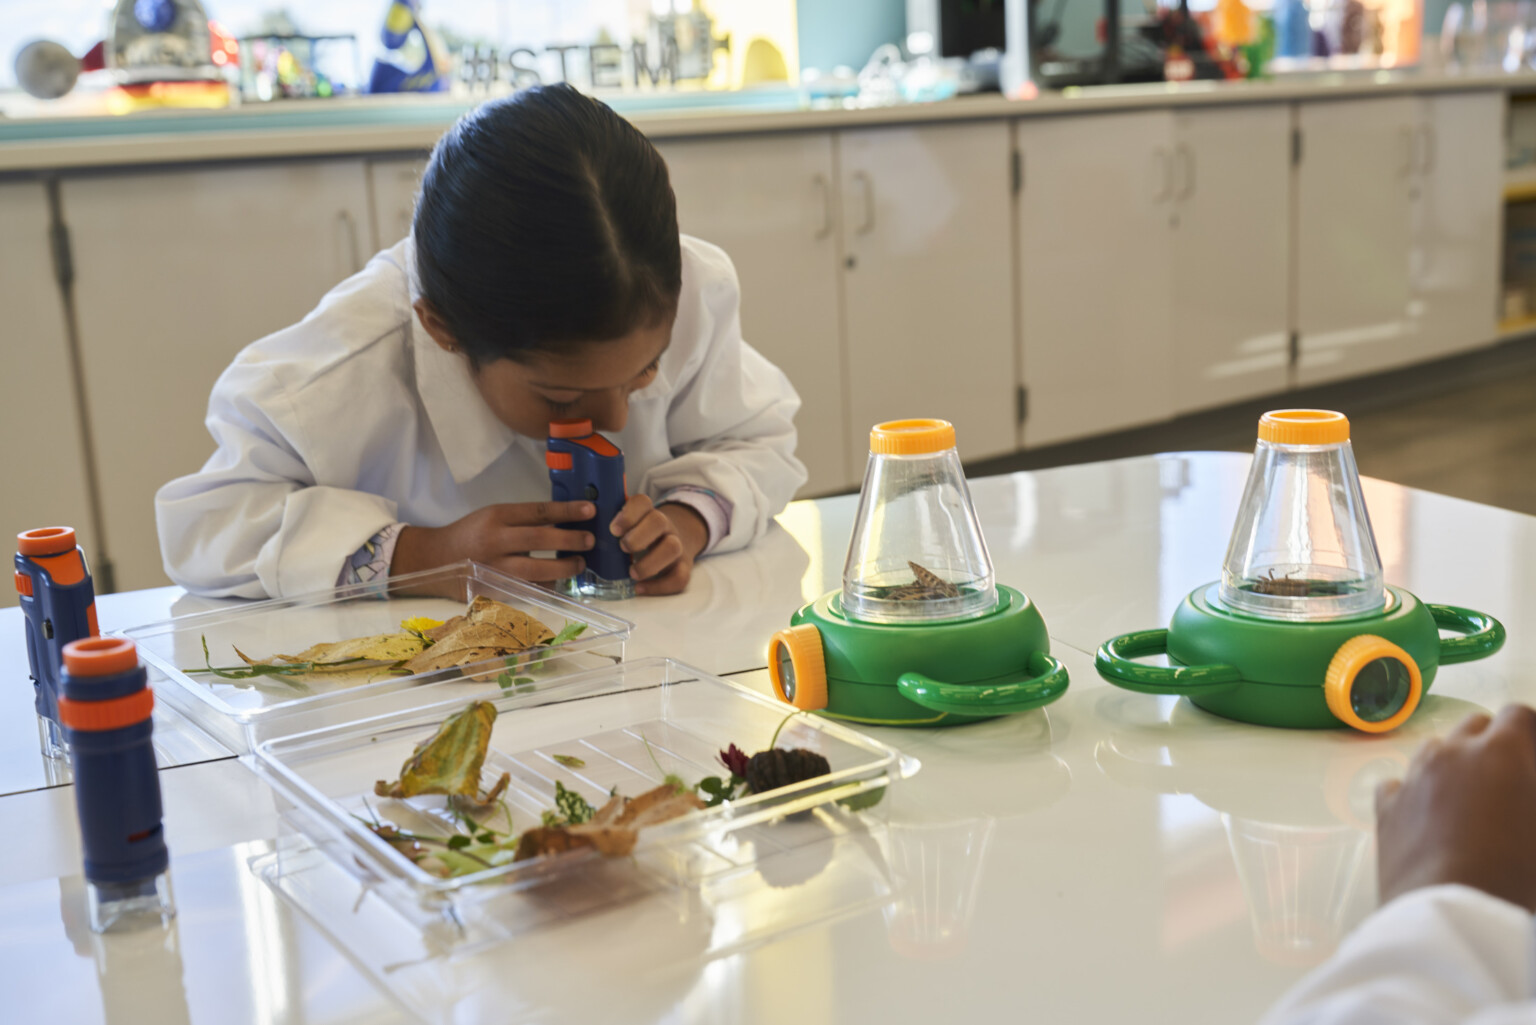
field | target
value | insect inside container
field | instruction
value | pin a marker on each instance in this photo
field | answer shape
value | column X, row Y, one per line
column 1285, row 586
column 927, row 586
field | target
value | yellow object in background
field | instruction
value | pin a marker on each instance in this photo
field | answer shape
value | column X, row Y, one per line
column 765, row 41
column 764, row 63
column 157, row 95
column 1403, row 25
column 1234, row 23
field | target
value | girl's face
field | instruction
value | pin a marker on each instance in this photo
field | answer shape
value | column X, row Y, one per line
column 590, row 380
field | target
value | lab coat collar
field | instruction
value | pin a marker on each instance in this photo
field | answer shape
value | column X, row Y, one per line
column 470, row 435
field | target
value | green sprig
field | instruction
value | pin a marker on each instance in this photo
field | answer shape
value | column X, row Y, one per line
column 671, row 779
column 262, row 669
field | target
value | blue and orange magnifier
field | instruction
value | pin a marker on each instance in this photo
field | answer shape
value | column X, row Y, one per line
column 58, row 602
column 585, row 466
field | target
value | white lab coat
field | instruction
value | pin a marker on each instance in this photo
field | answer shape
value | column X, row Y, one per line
column 354, row 418
column 1431, row 957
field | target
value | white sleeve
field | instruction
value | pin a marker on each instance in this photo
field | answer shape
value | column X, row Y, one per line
column 1431, row 957
column 731, row 426
column 252, row 523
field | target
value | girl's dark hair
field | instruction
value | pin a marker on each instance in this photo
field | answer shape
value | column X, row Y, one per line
column 545, row 218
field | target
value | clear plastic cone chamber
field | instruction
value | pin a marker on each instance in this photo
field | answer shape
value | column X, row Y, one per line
column 1302, row 547
column 917, row 553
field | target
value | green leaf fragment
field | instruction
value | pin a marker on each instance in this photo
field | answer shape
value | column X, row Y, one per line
column 573, row 808
column 569, row 632
column 868, row 799
column 720, row 790
column 570, row 761
column 508, row 682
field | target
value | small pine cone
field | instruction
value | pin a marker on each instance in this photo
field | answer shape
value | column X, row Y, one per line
column 769, row 770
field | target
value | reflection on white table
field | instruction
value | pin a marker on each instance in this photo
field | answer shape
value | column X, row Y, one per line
column 22, row 765
column 1113, row 857
column 233, row 954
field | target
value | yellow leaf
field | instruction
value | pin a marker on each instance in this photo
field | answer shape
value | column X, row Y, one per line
column 384, row 648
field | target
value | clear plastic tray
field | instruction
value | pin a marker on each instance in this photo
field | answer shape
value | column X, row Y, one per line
column 241, row 713
column 632, row 725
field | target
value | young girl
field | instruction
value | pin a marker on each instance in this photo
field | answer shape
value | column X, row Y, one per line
column 401, row 425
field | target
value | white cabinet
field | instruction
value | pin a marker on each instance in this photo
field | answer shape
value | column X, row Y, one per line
column 1354, row 213
column 1153, row 266
column 392, row 186
column 770, row 203
column 1231, row 255
column 927, row 283
column 45, row 481
column 874, row 268
column 176, row 272
column 1457, row 222
column 1094, row 274
column 1398, row 224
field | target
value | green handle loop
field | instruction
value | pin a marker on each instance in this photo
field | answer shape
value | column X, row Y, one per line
column 1115, row 663
column 1481, row 634
column 1047, row 682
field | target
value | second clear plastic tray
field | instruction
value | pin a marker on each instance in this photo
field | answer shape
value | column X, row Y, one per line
column 629, row 727
column 239, row 713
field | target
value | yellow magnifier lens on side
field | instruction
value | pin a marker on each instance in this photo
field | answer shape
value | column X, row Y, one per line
column 798, row 667
column 1372, row 684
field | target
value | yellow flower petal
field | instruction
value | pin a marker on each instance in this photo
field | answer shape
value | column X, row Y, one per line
column 420, row 624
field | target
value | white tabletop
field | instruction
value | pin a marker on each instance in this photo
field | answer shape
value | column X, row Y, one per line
column 1112, row 857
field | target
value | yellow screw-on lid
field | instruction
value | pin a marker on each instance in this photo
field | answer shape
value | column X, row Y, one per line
column 911, row 437
column 1303, row 427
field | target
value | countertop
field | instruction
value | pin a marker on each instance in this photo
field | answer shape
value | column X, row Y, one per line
column 1112, row 857
column 370, row 125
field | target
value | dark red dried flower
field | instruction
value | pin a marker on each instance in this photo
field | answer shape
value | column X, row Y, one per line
column 735, row 759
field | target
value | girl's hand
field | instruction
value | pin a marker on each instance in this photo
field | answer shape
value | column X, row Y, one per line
column 502, row 536
column 662, row 543
column 1466, row 813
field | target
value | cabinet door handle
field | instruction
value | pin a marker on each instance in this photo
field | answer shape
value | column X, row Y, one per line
column 825, row 189
column 1186, row 172
column 1407, row 135
column 868, row 224
column 345, row 220
column 1164, row 175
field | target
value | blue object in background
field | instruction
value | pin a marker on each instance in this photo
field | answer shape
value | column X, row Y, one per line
column 154, row 15
column 58, row 603
column 394, row 72
column 585, row 466
column 1293, row 29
